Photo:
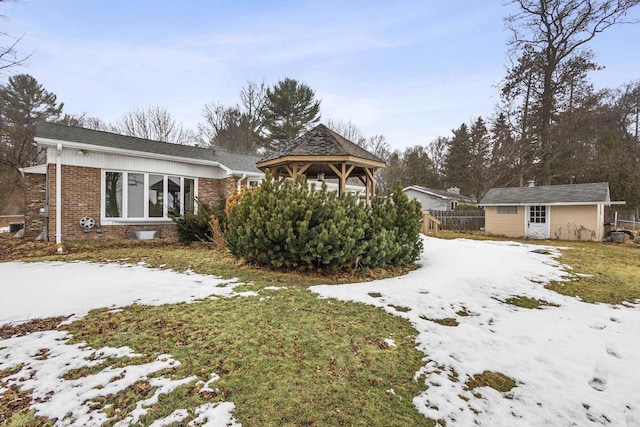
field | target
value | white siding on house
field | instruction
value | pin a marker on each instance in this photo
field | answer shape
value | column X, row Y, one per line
column 428, row 202
column 94, row 159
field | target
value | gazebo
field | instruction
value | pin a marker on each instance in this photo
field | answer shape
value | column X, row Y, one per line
column 325, row 154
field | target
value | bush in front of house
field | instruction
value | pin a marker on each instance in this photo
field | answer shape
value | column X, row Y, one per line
column 394, row 238
column 195, row 227
column 290, row 226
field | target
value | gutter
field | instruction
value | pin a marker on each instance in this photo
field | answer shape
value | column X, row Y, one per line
column 239, row 184
column 135, row 153
column 59, row 197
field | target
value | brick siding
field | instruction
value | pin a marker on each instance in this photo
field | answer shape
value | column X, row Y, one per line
column 81, row 197
column 34, row 199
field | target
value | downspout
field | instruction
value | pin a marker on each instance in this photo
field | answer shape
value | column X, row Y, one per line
column 239, row 184
column 59, row 197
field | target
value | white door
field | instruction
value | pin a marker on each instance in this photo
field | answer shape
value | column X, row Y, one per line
column 537, row 222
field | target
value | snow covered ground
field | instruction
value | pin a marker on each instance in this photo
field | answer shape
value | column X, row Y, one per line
column 41, row 359
column 575, row 364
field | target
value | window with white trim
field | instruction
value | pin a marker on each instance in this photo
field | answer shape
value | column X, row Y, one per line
column 143, row 196
column 538, row 214
column 507, row 210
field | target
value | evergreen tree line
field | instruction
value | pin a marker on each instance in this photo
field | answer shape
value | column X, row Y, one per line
column 594, row 138
column 551, row 125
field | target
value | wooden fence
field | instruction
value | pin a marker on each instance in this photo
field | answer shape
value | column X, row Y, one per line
column 460, row 219
column 430, row 225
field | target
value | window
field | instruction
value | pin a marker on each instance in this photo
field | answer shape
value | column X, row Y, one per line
column 113, row 194
column 189, row 195
column 173, row 195
column 254, row 183
column 538, row 214
column 453, row 205
column 156, row 196
column 507, row 210
column 135, row 195
column 141, row 196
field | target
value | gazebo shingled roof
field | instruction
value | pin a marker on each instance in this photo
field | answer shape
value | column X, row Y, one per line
column 323, row 152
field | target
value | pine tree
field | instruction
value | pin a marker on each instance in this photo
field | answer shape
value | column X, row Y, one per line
column 507, row 163
column 418, row 169
column 290, row 110
column 458, row 159
column 480, row 155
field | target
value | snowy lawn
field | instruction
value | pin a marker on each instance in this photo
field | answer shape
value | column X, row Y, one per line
column 572, row 363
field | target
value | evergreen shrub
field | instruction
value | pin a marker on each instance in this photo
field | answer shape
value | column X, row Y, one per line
column 195, row 227
column 290, row 226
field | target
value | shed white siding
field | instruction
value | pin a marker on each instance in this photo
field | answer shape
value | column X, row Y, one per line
column 428, row 202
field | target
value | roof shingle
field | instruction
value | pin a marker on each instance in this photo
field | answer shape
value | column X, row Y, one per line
column 549, row 194
column 234, row 161
column 322, row 141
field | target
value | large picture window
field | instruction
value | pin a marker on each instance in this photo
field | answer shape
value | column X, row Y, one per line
column 146, row 196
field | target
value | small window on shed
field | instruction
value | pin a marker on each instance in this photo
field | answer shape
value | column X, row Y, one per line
column 507, row 210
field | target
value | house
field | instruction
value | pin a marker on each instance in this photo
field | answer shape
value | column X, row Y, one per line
column 94, row 184
column 438, row 200
column 566, row 212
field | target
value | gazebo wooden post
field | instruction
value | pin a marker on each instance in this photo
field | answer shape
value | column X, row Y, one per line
column 343, row 174
column 370, row 183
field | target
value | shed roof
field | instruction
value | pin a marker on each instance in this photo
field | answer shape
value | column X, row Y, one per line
column 234, row 161
column 322, row 141
column 570, row 194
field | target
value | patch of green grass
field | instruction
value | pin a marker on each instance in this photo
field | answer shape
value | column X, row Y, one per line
column 608, row 273
column 446, row 321
column 400, row 308
column 111, row 362
column 375, row 294
column 292, row 359
column 495, row 380
column 199, row 257
column 531, row 303
column 463, row 312
column 25, row 419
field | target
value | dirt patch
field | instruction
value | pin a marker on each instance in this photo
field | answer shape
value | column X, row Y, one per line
column 35, row 325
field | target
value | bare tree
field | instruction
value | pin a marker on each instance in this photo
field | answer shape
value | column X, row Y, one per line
column 557, row 31
column 347, row 129
column 9, row 55
column 238, row 128
column 155, row 123
column 84, row 121
column 216, row 116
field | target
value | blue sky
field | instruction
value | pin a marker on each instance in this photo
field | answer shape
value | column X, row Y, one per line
column 410, row 70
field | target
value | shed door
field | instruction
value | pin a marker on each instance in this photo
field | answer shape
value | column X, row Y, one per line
column 538, row 222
